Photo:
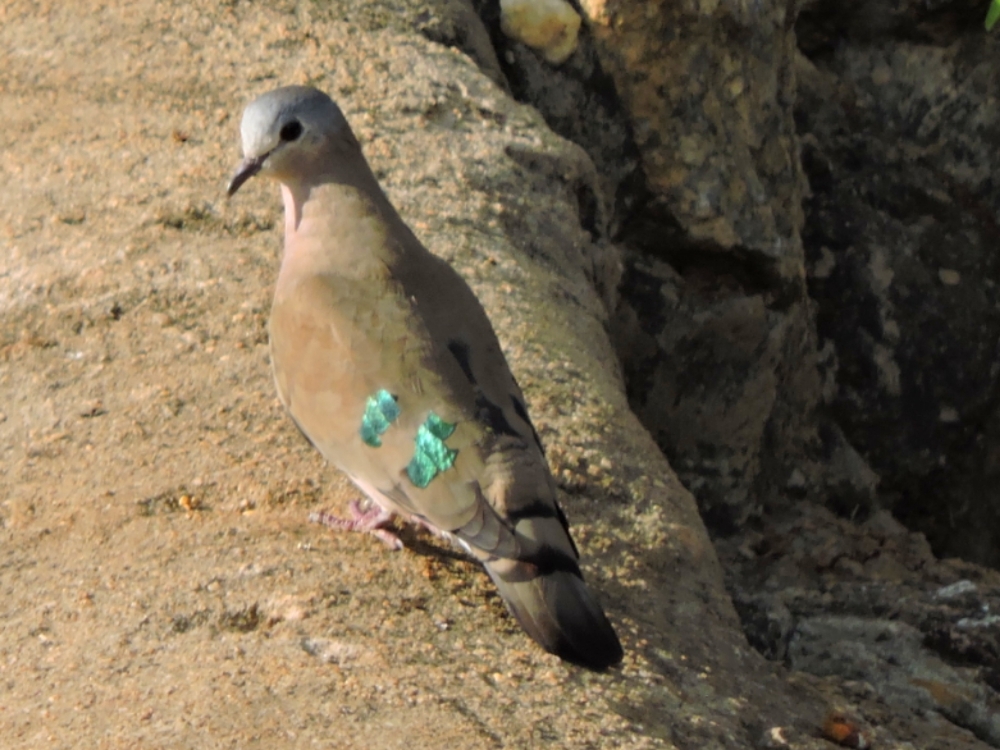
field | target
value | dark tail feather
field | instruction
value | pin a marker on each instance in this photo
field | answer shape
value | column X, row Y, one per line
column 557, row 609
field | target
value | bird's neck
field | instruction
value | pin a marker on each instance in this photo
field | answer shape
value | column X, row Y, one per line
column 338, row 224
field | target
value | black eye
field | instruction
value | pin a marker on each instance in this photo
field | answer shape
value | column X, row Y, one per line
column 291, row 131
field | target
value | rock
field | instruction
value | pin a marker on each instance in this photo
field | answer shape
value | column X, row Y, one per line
column 666, row 138
column 142, row 615
column 884, row 620
column 455, row 23
column 703, row 371
column 713, row 328
column 767, row 622
column 706, row 86
column 550, row 26
column 889, row 655
column 900, row 240
column 959, row 588
column 578, row 101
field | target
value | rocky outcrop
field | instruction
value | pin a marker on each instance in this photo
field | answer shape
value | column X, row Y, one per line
column 633, row 221
column 161, row 582
column 714, row 329
column 870, row 605
column 776, row 355
column 847, row 355
column 898, row 126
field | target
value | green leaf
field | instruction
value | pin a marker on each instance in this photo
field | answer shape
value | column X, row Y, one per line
column 993, row 15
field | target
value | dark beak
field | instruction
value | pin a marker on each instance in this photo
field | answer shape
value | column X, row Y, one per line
column 247, row 169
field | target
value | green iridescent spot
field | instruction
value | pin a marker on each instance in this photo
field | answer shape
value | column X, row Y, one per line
column 381, row 410
column 431, row 456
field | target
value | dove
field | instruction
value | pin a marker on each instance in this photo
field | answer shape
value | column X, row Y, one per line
column 388, row 364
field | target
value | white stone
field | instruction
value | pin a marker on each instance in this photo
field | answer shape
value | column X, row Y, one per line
column 550, row 26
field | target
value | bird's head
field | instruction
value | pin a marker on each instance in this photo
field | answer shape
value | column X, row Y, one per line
column 285, row 129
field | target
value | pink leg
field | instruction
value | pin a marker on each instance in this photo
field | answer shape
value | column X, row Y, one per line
column 371, row 521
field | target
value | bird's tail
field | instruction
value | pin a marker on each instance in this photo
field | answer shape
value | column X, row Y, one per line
column 556, row 608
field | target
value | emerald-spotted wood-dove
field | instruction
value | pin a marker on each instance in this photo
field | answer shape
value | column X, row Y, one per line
column 388, row 364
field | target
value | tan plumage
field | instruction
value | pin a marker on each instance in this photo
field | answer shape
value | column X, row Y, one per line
column 368, row 327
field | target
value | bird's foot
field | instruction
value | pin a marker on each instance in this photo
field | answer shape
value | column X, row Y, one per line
column 371, row 521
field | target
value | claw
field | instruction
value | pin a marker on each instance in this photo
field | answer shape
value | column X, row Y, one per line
column 371, row 521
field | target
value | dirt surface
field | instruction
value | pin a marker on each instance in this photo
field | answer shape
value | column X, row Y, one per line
column 161, row 586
